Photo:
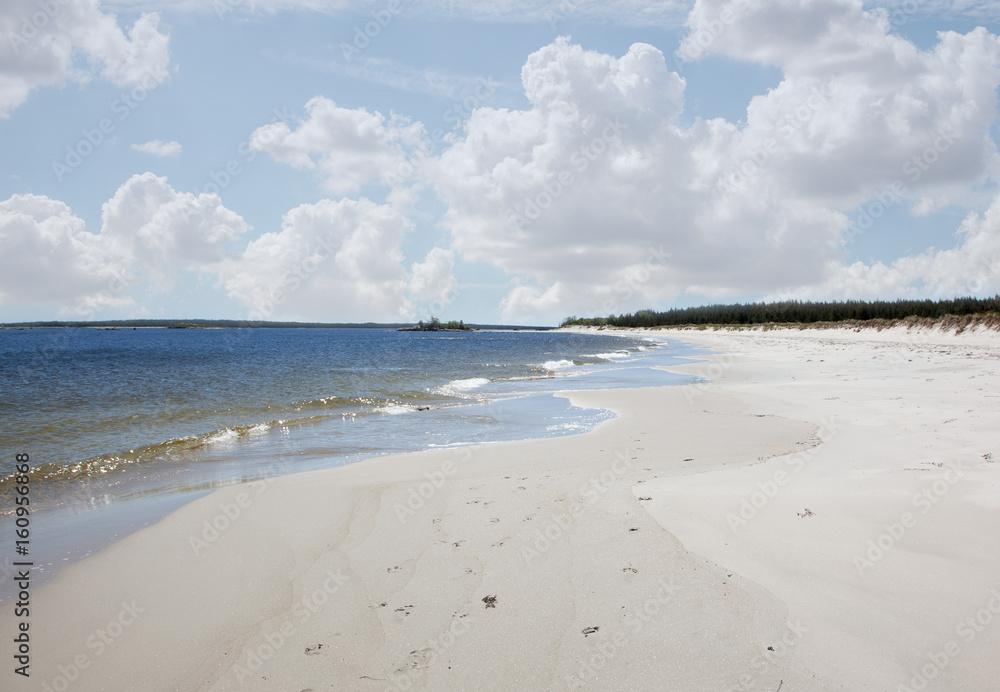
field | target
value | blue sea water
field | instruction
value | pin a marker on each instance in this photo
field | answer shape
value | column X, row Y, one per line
column 151, row 418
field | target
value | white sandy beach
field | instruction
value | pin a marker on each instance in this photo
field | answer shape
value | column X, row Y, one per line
column 823, row 515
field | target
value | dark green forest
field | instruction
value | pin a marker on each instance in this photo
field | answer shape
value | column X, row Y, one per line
column 796, row 312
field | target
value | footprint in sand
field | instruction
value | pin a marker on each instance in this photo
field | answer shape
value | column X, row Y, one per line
column 419, row 659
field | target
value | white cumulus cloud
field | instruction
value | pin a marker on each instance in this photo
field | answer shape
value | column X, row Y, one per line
column 43, row 42
column 598, row 199
column 601, row 197
column 857, row 102
column 431, row 281
column 148, row 231
column 334, row 260
column 158, row 147
column 972, row 267
column 349, row 147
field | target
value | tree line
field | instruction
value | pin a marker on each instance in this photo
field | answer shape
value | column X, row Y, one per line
column 794, row 311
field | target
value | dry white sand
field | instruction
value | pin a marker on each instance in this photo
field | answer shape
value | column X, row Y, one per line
column 669, row 549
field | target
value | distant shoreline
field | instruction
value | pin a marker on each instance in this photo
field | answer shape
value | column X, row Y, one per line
column 234, row 324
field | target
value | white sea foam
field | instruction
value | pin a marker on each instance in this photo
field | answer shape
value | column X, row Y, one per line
column 470, row 383
column 395, row 409
column 562, row 427
column 615, row 355
column 557, row 365
column 463, row 388
column 224, row 435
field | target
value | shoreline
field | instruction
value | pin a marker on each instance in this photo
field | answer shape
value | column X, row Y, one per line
column 604, row 560
column 73, row 532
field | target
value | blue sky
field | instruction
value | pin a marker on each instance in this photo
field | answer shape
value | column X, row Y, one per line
column 508, row 162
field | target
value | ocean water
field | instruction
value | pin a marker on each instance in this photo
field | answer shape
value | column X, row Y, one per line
column 123, row 425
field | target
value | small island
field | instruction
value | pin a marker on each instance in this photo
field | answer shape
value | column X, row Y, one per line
column 436, row 325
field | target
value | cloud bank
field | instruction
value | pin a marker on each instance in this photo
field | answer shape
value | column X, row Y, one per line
column 599, row 196
column 601, row 201
column 43, row 42
column 149, row 232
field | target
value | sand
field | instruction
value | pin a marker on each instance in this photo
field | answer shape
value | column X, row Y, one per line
column 823, row 515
